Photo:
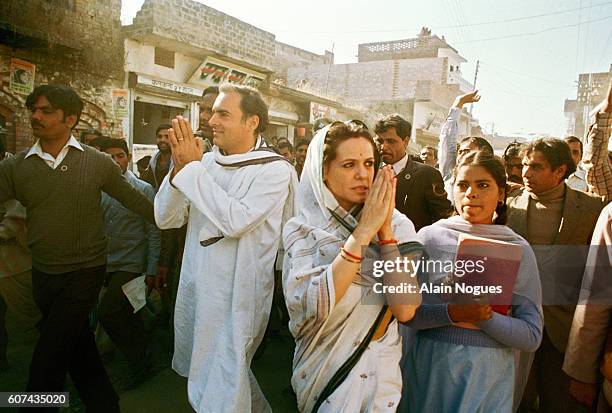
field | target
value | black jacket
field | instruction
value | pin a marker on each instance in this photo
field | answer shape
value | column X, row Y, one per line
column 420, row 194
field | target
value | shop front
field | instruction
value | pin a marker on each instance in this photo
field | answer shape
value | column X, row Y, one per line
column 154, row 102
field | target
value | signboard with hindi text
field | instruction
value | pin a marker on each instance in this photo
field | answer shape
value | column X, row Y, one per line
column 168, row 85
column 214, row 72
column 318, row 111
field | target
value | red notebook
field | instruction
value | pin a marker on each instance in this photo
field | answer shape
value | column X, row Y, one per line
column 493, row 270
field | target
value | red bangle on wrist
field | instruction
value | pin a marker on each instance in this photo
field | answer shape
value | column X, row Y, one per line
column 355, row 257
column 387, row 241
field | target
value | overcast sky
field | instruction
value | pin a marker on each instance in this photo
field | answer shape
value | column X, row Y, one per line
column 531, row 51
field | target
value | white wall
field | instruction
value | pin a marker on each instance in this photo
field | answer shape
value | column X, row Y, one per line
column 140, row 57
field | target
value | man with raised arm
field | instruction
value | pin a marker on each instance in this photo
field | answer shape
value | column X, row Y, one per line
column 447, row 147
column 235, row 200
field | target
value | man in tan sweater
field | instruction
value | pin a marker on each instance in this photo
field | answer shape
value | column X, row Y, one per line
column 557, row 221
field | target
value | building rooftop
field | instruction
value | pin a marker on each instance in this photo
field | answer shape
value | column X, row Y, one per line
column 424, row 45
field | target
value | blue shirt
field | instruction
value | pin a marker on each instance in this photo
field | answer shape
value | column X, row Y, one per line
column 133, row 243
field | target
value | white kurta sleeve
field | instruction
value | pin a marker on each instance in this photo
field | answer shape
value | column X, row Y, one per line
column 447, row 149
column 235, row 217
column 171, row 206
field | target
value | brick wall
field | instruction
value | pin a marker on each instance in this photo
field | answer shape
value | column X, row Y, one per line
column 289, row 56
column 202, row 26
column 78, row 43
column 367, row 81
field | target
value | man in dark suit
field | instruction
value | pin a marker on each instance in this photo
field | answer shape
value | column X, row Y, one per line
column 420, row 190
column 558, row 222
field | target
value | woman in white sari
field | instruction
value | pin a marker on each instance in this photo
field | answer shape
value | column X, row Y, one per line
column 342, row 210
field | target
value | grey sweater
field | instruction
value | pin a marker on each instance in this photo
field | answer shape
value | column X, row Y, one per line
column 64, row 216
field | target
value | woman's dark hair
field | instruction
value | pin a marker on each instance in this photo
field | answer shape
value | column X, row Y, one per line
column 555, row 151
column 496, row 169
column 340, row 132
column 60, row 97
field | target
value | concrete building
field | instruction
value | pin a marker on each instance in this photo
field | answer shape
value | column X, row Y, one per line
column 75, row 42
column 592, row 88
column 417, row 78
column 176, row 48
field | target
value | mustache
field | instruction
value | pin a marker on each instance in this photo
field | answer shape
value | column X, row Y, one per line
column 36, row 123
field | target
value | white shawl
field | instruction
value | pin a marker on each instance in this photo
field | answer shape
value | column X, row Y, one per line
column 326, row 333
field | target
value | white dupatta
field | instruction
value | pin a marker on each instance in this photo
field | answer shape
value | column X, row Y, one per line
column 326, row 333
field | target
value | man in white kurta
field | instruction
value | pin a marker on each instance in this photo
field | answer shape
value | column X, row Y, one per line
column 234, row 204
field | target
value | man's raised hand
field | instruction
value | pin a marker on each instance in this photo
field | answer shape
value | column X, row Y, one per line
column 461, row 100
column 185, row 146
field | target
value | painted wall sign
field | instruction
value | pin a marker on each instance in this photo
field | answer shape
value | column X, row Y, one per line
column 175, row 87
column 214, row 72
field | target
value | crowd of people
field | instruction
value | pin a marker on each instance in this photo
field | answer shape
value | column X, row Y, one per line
column 227, row 225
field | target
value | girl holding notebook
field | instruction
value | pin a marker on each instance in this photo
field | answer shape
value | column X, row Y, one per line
column 470, row 354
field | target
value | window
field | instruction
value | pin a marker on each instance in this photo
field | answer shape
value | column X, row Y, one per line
column 164, row 57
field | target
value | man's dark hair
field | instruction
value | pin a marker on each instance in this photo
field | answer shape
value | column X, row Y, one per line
column 89, row 132
column 162, row 126
column 115, row 143
column 555, row 151
column 285, row 144
column 60, row 97
column 435, row 150
column 571, row 139
column 302, row 142
column 513, row 150
column 402, row 127
column 251, row 104
column 481, row 143
column 99, row 142
column 212, row 90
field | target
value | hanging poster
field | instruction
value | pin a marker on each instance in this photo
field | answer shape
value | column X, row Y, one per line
column 21, row 76
column 120, row 102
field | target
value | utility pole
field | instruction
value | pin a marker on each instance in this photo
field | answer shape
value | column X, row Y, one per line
column 475, row 79
column 587, row 107
column 329, row 71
